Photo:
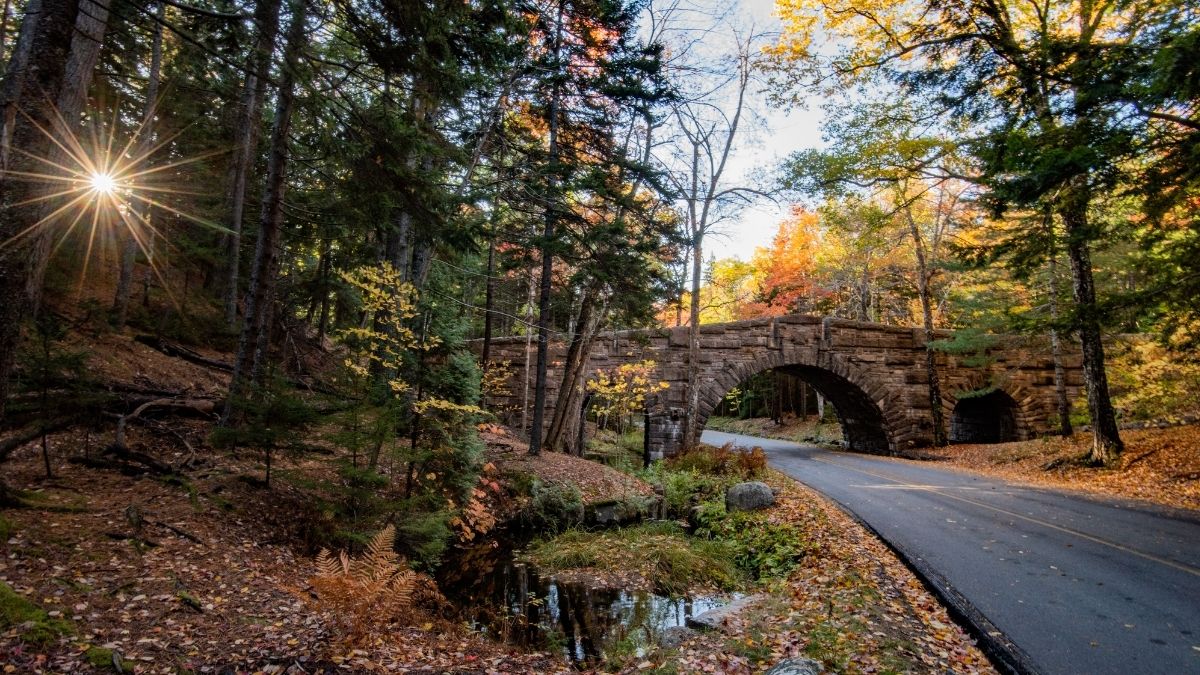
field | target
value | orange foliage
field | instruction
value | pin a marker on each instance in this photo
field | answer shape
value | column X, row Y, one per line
column 360, row 598
column 785, row 272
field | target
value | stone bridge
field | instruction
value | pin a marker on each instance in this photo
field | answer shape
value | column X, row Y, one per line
column 874, row 375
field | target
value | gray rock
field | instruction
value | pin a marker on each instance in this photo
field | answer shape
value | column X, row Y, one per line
column 675, row 636
column 796, row 667
column 715, row 619
column 748, row 496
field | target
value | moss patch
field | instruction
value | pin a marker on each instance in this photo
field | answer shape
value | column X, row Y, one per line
column 660, row 553
column 105, row 659
column 37, row 627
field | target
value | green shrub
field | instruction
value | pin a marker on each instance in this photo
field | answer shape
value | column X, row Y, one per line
column 552, row 507
column 762, row 548
column 685, row 489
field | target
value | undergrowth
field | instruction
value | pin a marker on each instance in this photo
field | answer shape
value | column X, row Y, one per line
column 762, row 548
column 671, row 561
column 703, row 474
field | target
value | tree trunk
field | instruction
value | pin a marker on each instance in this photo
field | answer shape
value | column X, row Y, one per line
column 691, row 434
column 568, row 407
column 251, row 354
column 931, row 370
column 132, row 239
column 489, row 302
column 90, row 26
column 36, row 83
column 547, row 246
column 266, row 18
column 1060, row 376
column 14, row 77
column 323, row 317
column 4, row 26
column 1106, row 439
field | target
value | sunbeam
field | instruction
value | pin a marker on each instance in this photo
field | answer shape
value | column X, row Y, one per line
column 102, row 190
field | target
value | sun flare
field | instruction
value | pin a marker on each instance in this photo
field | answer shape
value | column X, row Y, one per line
column 102, row 183
column 106, row 194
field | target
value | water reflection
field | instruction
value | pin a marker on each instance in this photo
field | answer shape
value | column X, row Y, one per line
column 511, row 601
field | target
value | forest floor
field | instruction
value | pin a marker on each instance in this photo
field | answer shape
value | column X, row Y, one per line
column 204, row 574
column 206, row 571
column 1160, row 466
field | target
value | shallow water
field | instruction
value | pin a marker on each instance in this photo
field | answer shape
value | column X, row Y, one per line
column 511, row 601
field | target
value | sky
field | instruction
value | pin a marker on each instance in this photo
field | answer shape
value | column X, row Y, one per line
column 781, row 133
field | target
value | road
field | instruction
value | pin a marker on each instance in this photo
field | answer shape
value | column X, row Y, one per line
column 1063, row 583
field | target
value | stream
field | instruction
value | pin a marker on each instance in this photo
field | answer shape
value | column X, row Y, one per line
column 511, row 601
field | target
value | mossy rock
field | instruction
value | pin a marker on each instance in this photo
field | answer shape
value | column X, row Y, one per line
column 36, row 626
column 105, row 659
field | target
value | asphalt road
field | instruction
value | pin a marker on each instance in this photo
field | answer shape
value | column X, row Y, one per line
column 1064, row 583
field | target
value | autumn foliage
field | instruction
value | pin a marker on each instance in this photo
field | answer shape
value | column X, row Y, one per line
column 360, row 595
column 622, row 391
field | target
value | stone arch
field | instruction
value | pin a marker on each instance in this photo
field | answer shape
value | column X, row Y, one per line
column 987, row 418
column 868, row 412
column 1028, row 408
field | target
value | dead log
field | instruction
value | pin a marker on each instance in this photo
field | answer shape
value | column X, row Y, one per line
column 32, row 432
column 181, row 352
column 199, row 406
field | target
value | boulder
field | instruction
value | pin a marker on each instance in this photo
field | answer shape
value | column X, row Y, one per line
column 748, row 496
column 717, row 618
column 796, row 667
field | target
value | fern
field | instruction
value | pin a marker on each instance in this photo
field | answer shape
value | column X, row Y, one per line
column 358, row 596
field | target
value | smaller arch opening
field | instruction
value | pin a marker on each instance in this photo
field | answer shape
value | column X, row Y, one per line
column 990, row 418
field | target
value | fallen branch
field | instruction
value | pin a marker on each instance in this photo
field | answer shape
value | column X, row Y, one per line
column 179, row 531
column 199, row 406
column 181, row 352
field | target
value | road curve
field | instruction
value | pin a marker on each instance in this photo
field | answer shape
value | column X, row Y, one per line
column 1063, row 583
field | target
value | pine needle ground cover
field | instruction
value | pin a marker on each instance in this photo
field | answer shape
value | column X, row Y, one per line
column 162, row 603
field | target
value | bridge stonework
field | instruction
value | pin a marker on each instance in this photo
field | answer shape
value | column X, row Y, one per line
column 874, row 375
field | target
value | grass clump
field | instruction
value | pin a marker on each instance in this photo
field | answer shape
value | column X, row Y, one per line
column 36, row 626
column 661, row 553
column 6, row 528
